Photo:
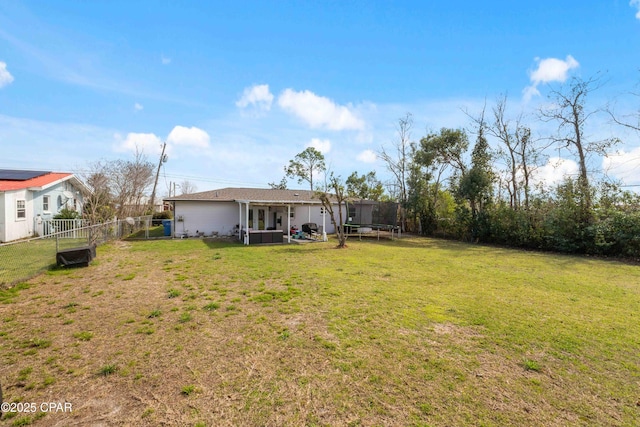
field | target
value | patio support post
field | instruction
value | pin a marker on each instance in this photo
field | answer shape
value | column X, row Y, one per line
column 288, row 223
column 246, row 235
column 324, row 224
column 239, row 220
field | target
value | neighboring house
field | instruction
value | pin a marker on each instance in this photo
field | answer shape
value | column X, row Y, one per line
column 29, row 197
column 228, row 211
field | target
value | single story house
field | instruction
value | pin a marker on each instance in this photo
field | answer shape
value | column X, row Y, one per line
column 234, row 211
column 28, row 197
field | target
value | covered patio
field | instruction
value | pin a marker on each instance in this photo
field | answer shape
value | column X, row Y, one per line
column 269, row 221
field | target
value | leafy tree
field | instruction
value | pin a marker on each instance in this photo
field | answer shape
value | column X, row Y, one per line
column 444, row 150
column 305, row 166
column 420, row 204
column 282, row 185
column 364, row 186
column 439, row 154
column 475, row 185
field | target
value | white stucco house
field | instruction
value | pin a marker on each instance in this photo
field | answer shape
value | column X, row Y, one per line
column 231, row 211
column 28, row 197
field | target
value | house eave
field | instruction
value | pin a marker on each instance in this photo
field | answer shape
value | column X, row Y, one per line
column 279, row 202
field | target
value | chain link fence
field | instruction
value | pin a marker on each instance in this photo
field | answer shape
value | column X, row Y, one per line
column 24, row 259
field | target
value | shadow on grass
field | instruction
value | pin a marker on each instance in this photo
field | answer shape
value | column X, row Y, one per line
column 454, row 248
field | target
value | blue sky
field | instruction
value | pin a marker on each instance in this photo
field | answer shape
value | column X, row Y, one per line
column 239, row 88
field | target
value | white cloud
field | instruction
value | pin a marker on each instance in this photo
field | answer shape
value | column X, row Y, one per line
column 367, row 156
column 549, row 70
column 529, row 92
column 636, row 4
column 5, row 75
column 322, row 145
column 555, row 171
column 624, row 165
column 147, row 143
column 257, row 96
column 193, row 137
column 165, row 60
column 138, row 107
column 318, row 111
column 553, row 70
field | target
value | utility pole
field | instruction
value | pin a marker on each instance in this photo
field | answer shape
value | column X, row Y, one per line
column 163, row 159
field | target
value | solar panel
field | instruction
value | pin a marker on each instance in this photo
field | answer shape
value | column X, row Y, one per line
column 19, row 175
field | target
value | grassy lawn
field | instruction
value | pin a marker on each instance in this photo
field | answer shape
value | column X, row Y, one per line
column 415, row 332
column 25, row 259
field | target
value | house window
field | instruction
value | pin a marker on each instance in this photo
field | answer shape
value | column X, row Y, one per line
column 21, row 209
column 45, row 203
column 293, row 213
column 352, row 213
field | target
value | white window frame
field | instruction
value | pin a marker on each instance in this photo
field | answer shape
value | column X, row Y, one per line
column 21, row 212
column 46, row 203
column 293, row 212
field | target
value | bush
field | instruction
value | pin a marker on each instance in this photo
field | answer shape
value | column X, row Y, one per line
column 159, row 216
column 67, row 213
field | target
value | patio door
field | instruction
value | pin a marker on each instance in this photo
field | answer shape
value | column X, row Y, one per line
column 261, row 218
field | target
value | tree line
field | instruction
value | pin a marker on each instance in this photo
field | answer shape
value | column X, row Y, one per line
column 491, row 195
column 453, row 183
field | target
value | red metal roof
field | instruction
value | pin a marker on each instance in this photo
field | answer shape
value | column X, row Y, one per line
column 40, row 181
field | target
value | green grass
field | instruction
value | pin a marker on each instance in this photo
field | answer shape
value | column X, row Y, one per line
column 25, row 259
column 188, row 390
column 107, row 370
column 154, row 232
column 413, row 332
column 83, row 336
column 211, row 306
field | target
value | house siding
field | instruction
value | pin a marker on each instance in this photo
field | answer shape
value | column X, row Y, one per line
column 12, row 228
column 17, row 228
column 206, row 217
column 222, row 217
column 3, row 218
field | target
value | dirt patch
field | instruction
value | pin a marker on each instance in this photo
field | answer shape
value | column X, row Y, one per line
column 187, row 334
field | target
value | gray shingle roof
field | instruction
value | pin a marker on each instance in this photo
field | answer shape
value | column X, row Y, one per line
column 253, row 195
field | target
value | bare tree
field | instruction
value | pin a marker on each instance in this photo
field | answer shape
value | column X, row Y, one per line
column 335, row 191
column 568, row 110
column 398, row 162
column 187, row 187
column 518, row 150
column 119, row 188
column 630, row 121
column 98, row 204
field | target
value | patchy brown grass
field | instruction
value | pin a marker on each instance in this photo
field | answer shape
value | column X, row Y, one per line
column 392, row 333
